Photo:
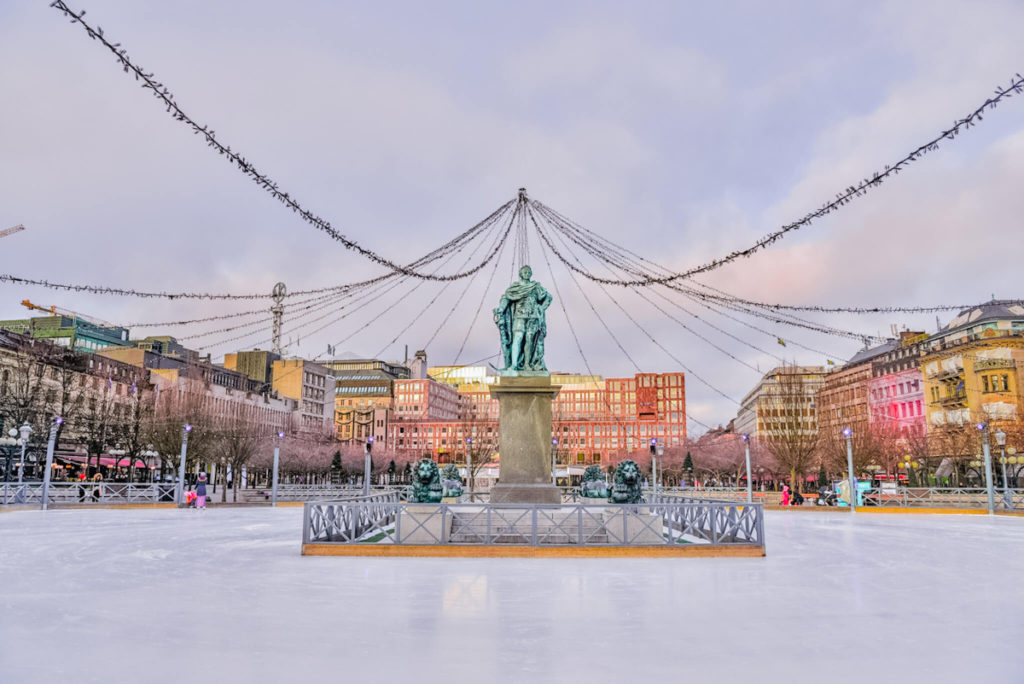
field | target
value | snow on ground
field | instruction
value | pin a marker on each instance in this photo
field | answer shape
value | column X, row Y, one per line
column 224, row 596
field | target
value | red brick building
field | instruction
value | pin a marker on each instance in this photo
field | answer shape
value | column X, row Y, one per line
column 594, row 420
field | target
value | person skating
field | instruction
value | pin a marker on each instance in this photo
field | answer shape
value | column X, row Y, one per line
column 201, row 492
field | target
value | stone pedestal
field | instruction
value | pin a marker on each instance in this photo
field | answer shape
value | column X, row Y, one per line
column 524, row 426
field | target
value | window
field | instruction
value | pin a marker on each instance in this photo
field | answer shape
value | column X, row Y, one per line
column 984, row 383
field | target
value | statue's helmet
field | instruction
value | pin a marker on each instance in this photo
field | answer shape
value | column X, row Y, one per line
column 525, row 272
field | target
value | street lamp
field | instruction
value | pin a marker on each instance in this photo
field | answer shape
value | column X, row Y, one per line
column 746, row 448
column 848, row 433
column 1001, row 441
column 554, row 465
column 57, row 422
column 469, row 466
column 367, row 465
column 180, row 489
column 277, row 461
column 987, row 450
column 26, row 431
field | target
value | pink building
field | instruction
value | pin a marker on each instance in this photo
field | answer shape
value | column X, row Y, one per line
column 896, row 388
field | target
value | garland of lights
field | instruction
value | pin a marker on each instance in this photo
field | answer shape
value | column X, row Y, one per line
column 161, row 92
column 841, row 199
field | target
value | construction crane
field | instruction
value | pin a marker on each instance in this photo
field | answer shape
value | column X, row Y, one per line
column 57, row 311
column 11, row 231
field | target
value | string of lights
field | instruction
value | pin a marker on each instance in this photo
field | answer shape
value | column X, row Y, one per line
column 375, row 293
column 561, row 232
column 842, row 198
column 262, row 180
column 547, row 242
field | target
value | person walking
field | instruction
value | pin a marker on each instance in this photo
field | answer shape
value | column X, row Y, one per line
column 97, row 487
column 201, row 492
column 785, row 495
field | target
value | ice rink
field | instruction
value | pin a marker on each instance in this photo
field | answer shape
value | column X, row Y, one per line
column 224, row 596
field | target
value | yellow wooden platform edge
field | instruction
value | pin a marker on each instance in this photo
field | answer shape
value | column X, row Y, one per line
column 509, row 551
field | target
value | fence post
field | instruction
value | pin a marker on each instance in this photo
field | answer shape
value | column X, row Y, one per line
column 49, row 459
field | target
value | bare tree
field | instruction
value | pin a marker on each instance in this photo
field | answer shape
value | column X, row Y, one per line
column 789, row 429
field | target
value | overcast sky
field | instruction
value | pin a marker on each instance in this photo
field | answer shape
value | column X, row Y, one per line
column 681, row 130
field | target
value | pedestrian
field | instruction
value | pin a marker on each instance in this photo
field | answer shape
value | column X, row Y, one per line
column 785, row 495
column 201, row 492
column 97, row 486
column 798, row 498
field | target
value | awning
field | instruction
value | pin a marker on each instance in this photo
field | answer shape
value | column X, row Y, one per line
column 107, row 461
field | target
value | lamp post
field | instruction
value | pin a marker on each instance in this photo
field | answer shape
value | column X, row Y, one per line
column 1001, row 441
column 654, row 464
column 26, row 431
column 49, row 458
column 469, row 466
column 554, row 465
column 987, row 451
column 277, row 462
column 367, row 465
column 180, row 489
column 848, row 433
column 746, row 449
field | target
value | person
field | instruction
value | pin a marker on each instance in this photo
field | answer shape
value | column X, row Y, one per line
column 81, row 486
column 201, row 492
column 97, row 488
column 785, row 495
column 798, row 498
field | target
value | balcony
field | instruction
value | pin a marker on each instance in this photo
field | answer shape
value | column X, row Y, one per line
column 956, row 400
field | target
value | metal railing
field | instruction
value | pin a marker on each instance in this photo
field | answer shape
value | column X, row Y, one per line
column 87, row 492
column 942, row 497
column 353, row 517
column 298, row 492
column 667, row 521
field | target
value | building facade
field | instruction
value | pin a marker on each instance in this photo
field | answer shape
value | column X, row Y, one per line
column 896, row 388
column 784, row 394
column 973, row 368
column 594, row 421
column 309, row 384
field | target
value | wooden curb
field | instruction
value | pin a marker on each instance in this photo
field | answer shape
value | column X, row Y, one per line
column 509, row 551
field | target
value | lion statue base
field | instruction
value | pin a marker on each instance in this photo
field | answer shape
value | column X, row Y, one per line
column 426, row 483
column 451, row 481
column 626, row 489
column 594, row 485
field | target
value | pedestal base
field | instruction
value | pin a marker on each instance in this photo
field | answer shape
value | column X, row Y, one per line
column 526, row 493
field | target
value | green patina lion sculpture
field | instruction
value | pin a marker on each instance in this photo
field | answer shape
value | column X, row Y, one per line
column 451, row 481
column 594, row 485
column 426, row 482
column 626, row 489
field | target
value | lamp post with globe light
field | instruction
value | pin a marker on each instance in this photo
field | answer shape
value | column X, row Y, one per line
column 469, row 466
column 277, row 463
column 57, row 422
column 26, row 432
column 367, row 465
column 1001, row 441
column 987, row 451
column 848, row 433
column 180, row 489
column 746, row 449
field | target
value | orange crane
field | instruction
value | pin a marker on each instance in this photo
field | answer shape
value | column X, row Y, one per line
column 57, row 311
column 11, row 231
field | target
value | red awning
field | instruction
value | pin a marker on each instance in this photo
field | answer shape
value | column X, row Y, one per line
column 107, row 461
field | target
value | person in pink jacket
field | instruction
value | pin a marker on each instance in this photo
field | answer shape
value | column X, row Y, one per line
column 785, row 495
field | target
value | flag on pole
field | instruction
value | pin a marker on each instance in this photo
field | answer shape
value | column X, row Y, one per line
column 133, row 387
column 109, row 383
column 830, row 362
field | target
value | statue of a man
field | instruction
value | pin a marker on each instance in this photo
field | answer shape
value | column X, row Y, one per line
column 520, row 317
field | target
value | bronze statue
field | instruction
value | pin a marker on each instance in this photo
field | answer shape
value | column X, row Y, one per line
column 520, row 317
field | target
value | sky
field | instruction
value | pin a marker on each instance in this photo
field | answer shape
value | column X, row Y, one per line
column 680, row 131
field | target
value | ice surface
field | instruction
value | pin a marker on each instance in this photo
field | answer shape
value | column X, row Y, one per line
column 224, row 596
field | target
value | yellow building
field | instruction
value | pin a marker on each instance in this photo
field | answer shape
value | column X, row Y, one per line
column 310, row 385
column 974, row 367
